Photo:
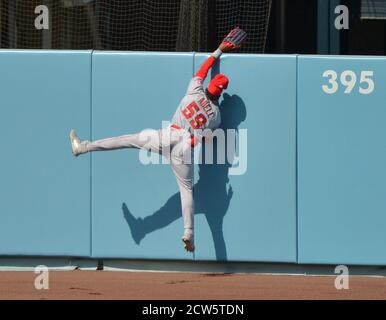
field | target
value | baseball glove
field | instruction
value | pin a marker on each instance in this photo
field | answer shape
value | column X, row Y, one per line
column 235, row 38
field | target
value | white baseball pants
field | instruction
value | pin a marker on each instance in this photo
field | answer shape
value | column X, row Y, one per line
column 175, row 144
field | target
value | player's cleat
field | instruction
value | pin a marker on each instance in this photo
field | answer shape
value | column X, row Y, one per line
column 76, row 144
column 188, row 241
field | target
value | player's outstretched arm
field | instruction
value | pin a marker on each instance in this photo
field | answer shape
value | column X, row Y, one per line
column 209, row 63
column 232, row 41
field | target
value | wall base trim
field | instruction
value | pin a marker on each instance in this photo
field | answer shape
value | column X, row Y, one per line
column 68, row 264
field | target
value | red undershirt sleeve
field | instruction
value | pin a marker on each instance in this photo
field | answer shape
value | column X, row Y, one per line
column 203, row 72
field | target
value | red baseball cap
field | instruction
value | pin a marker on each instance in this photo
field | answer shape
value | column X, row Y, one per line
column 218, row 84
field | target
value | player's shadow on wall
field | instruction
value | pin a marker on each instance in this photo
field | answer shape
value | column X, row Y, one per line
column 212, row 192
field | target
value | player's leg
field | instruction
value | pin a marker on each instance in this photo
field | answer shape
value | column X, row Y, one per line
column 147, row 139
column 184, row 176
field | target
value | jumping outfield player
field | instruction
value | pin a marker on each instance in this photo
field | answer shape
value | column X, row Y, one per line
column 198, row 110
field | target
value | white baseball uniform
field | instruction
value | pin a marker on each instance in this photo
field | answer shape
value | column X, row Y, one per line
column 174, row 142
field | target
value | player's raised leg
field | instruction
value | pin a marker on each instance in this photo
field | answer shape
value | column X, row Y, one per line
column 147, row 139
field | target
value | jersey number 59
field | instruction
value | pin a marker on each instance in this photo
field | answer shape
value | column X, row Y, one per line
column 199, row 119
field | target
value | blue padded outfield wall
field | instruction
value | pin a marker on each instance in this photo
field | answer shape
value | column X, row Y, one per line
column 262, row 200
column 45, row 193
column 311, row 191
column 132, row 92
column 135, row 91
column 342, row 160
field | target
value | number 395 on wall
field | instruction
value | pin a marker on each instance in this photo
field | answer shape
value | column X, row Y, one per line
column 348, row 79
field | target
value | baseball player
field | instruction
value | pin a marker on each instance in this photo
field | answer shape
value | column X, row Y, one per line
column 198, row 110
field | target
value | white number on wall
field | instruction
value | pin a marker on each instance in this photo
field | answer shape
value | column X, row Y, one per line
column 331, row 74
column 348, row 79
column 366, row 78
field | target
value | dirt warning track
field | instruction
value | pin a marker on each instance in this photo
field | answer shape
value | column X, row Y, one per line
column 164, row 285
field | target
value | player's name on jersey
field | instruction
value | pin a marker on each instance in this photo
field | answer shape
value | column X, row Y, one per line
column 204, row 103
